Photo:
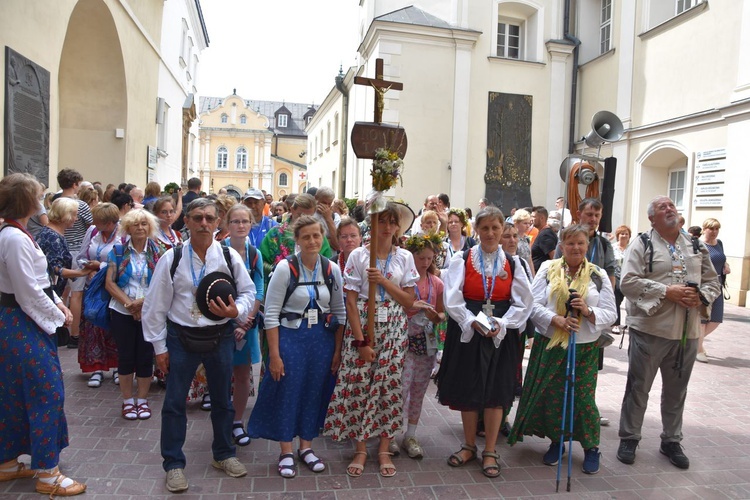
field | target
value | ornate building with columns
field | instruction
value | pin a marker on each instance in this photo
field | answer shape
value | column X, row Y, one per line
column 245, row 143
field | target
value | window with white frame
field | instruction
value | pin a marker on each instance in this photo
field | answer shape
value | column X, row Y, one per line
column 222, row 157
column 509, row 32
column 184, row 44
column 243, row 119
column 605, row 27
column 336, row 127
column 328, row 135
column 677, row 188
column 683, row 5
column 241, row 158
column 282, row 121
column 224, row 118
column 162, row 128
column 283, row 179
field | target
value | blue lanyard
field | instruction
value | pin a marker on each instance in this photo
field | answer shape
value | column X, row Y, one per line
column 169, row 237
column 429, row 290
column 247, row 252
column 484, row 277
column 310, row 288
column 104, row 243
column 381, row 288
column 593, row 252
column 197, row 280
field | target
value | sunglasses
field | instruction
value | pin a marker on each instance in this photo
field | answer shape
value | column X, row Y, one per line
column 198, row 218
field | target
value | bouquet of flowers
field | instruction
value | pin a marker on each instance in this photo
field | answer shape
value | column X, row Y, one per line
column 386, row 169
column 416, row 243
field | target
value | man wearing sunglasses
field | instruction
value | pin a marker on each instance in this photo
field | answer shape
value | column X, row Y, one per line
column 170, row 314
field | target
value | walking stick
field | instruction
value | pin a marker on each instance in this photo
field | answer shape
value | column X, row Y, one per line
column 570, row 365
column 572, row 347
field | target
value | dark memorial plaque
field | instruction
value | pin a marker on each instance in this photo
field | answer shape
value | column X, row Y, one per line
column 508, row 175
column 26, row 117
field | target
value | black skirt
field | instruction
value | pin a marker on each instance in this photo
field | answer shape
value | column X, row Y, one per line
column 477, row 375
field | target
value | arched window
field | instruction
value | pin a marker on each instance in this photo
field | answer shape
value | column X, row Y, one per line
column 243, row 119
column 283, row 179
column 221, row 158
column 241, row 158
column 224, row 118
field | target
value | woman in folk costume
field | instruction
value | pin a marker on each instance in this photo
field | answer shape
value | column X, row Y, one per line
column 593, row 311
column 478, row 369
column 368, row 401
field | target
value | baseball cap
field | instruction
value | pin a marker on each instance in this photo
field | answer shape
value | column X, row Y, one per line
column 253, row 193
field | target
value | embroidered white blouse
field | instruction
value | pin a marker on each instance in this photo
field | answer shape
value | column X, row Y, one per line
column 401, row 271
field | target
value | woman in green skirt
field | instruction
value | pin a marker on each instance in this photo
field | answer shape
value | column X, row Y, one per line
column 593, row 311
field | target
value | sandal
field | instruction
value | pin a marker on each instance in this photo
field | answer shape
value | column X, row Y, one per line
column 129, row 411
column 144, row 412
column 95, row 380
column 456, row 460
column 490, row 471
column 206, row 402
column 287, row 471
column 240, row 438
column 57, row 488
column 358, row 468
column 116, row 377
column 7, row 474
column 312, row 464
column 385, row 467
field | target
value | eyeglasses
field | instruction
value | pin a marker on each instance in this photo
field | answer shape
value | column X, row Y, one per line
column 242, row 222
column 199, row 217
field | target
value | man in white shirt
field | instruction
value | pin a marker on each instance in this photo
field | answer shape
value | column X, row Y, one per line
column 170, row 312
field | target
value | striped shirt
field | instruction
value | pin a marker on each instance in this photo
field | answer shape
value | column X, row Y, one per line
column 74, row 235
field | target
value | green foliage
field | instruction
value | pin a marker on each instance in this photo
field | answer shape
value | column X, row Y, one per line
column 350, row 203
column 172, row 187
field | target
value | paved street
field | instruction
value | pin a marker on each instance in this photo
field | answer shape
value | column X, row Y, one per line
column 120, row 459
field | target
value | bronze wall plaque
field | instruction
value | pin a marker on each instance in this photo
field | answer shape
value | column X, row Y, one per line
column 367, row 137
column 27, row 118
column 508, row 175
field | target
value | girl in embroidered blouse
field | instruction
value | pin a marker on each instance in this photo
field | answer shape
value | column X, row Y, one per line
column 477, row 372
column 540, row 409
column 349, row 237
column 368, row 400
column 31, row 383
column 428, row 311
column 165, row 210
column 129, row 271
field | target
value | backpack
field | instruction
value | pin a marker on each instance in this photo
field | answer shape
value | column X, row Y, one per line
column 648, row 245
column 178, row 257
column 253, row 258
column 96, row 297
column 294, row 282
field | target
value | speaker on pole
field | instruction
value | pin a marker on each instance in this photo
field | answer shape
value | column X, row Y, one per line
column 608, row 194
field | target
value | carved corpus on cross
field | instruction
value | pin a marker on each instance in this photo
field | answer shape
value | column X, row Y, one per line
column 367, row 138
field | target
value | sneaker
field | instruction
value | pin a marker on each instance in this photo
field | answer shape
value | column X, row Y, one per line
column 626, row 451
column 176, row 480
column 412, row 448
column 591, row 461
column 553, row 454
column 702, row 357
column 393, row 448
column 73, row 343
column 231, row 466
column 673, row 450
column 603, row 421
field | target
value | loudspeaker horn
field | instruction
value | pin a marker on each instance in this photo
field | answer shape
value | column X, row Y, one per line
column 605, row 127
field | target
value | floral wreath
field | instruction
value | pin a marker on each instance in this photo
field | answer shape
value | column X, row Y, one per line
column 419, row 242
column 460, row 213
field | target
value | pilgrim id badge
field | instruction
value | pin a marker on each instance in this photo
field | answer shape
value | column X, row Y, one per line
column 312, row 317
column 382, row 315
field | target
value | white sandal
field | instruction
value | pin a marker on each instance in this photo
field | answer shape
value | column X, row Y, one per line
column 96, row 380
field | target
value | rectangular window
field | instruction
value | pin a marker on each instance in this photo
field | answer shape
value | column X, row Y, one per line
column 683, row 5
column 509, row 39
column 328, row 135
column 183, row 44
column 336, row 127
column 282, row 121
column 677, row 188
column 163, row 123
column 605, row 27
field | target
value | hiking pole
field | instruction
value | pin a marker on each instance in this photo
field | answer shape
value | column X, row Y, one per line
column 572, row 347
column 568, row 310
column 680, row 361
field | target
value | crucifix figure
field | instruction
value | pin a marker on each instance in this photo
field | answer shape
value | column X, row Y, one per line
column 380, row 85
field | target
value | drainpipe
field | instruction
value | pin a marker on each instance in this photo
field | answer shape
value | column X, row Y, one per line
column 344, row 129
column 574, row 80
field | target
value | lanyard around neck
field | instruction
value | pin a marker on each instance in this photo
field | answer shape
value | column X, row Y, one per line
column 484, row 277
column 429, row 290
column 381, row 288
column 202, row 273
column 310, row 288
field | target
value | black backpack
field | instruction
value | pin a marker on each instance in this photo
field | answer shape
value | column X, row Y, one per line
column 649, row 246
column 253, row 258
column 294, row 282
column 178, row 257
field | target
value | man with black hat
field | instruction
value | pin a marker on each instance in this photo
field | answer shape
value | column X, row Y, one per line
column 193, row 296
column 255, row 200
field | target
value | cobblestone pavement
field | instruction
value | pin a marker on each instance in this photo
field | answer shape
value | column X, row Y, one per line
column 120, row 459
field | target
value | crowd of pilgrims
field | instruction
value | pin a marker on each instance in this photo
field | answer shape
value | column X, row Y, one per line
column 457, row 300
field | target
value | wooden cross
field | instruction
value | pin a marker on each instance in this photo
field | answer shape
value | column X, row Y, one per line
column 380, row 85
